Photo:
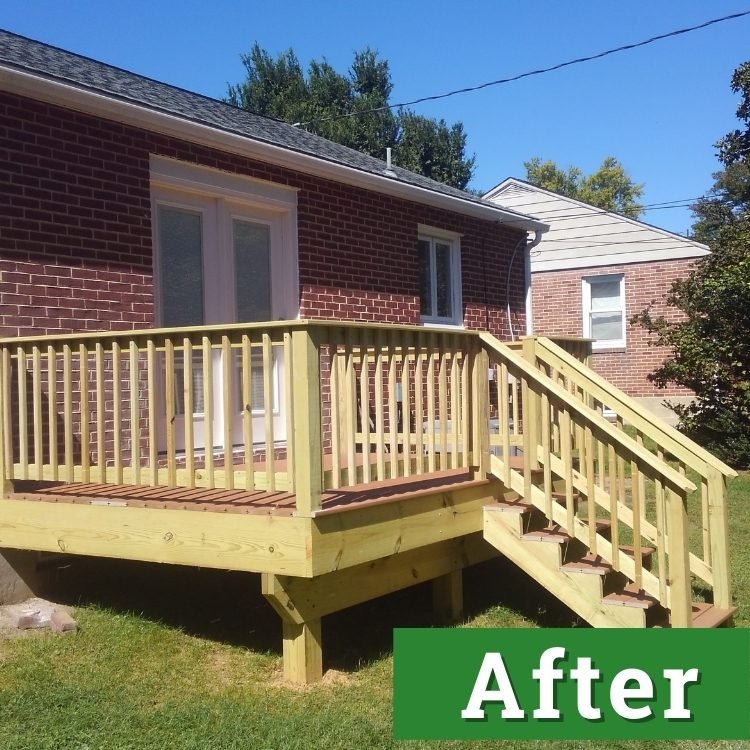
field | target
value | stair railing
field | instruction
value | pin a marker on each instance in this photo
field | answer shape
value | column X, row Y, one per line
column 574, row 451
column 666, row 443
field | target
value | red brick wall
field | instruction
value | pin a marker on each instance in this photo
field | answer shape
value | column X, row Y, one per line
column 557, row 310
column 75, row 232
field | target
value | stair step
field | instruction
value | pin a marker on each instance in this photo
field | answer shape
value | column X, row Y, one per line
column 646, row 552
column 590, row 564
column 504, row 506
column 630, row 596
column 553, row 534
column 709, row 616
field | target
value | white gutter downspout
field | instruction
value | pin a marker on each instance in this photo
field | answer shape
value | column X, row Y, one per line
column 529, row 306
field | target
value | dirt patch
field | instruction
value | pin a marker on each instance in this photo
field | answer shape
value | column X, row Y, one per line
column 332, row 677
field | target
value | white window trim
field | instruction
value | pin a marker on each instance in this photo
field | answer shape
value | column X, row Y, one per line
column 430, row 234
column 586, row 284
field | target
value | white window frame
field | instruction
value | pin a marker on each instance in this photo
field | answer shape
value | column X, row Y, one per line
column 433, row 235
column 587, row 283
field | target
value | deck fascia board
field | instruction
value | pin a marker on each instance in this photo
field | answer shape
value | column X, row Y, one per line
column 253, row 543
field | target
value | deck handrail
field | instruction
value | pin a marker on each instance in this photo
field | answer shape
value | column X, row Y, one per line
column 664, row 435
column 581, row 434
column 713, row 565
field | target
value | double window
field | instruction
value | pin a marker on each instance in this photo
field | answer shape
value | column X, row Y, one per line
column 604, row 310
column 440, row 279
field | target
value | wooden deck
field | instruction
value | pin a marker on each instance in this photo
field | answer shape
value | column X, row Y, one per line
column 239, row 501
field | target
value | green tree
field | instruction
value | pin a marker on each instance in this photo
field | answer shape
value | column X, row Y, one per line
column 712, row 343
column 609, row 187
column 279, row 87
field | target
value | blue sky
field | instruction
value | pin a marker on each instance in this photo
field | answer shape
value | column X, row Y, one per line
column 658, row 109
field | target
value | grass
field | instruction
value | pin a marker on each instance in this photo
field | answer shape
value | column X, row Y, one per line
column 179, row 658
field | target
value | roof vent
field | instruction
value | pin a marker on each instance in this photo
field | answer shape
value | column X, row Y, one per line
column 388, row 165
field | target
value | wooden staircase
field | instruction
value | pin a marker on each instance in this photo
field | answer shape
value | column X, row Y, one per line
column 578, row 485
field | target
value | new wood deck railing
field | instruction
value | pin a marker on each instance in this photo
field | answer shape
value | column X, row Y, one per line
column 307, row 406
column 709, row 525
column 571, row 442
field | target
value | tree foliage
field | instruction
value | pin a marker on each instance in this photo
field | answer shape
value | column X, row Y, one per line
column 712, row 344
column 609, row 187
column 279, row 87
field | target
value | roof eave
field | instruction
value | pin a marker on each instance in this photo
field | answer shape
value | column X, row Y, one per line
column 70, row 96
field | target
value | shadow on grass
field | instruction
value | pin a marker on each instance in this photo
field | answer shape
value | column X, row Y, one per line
column 228, row 607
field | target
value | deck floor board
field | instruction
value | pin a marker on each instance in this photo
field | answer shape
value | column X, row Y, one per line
column 221, row 500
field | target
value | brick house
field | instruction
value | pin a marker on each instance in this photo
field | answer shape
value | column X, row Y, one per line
column 130, row 203
column 591, row 273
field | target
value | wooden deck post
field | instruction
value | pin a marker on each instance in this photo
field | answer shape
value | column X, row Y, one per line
column 448, row 598
column 718, row 529
column 480, row 412
column 303, row 651
column 308, row 450
column 6, row 453
column 679, row 561
column 532, row 416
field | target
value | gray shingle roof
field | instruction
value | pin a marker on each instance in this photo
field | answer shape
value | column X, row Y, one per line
column 49, row 62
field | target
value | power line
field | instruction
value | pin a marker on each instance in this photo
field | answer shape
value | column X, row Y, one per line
column 528, row 74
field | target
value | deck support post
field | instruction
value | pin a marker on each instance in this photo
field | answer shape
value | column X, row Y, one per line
column 532, row 408
column 480, row 414
column 679, row 561
column 719, row 536
column 303, row 651
column 448, row 598
column 308, row 450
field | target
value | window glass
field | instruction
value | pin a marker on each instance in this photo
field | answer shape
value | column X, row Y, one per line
column 443, row 280
column 605, row 295
column 252, row 275
column 425, row 278
column 181, row 266
column 606, row 326
column 604, row 311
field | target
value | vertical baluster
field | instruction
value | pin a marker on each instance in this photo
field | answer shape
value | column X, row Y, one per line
column 188, row 409
column 392, row 404
column 208, row 409
column 705, row 522
column 170, row 394
column 527, row 446
column 661, row 541
column 36, row 390
column 364, row 404
column 546, row 454
column 117, row 409
column 636, row 498
column 247, row 412
column 288, row 406
column 268, row 411
column 465, row 418
column 587, row 465
column 503, row 417
column 432, row 422
column 7, row 425
column 406, row 401
column 227, row 398
column 566, row 454
column 135, row 413
column 613, row 509
column 23, row 422
column 418, row 402
column 101, row 457
column 379, row 407
column 443, row 400
column 455, row 419
column 514, row 406
column 83, row 370
column 350, row 406
column 153, row 455
column 641, row 480
column 336, row 411
column 68, row 410
column 52, row 410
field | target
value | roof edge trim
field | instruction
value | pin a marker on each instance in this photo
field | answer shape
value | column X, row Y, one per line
column 70, row 96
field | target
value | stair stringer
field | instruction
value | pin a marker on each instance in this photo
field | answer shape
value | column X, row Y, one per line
column 624, row 563
column 581, row 592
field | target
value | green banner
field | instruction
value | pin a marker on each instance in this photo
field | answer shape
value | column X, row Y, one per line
column 571, row 684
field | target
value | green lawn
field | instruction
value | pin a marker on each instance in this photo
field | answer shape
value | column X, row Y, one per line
column 186, row 659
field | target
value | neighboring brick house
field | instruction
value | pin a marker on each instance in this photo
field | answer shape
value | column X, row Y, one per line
column 128, row 203
column 593, row 271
